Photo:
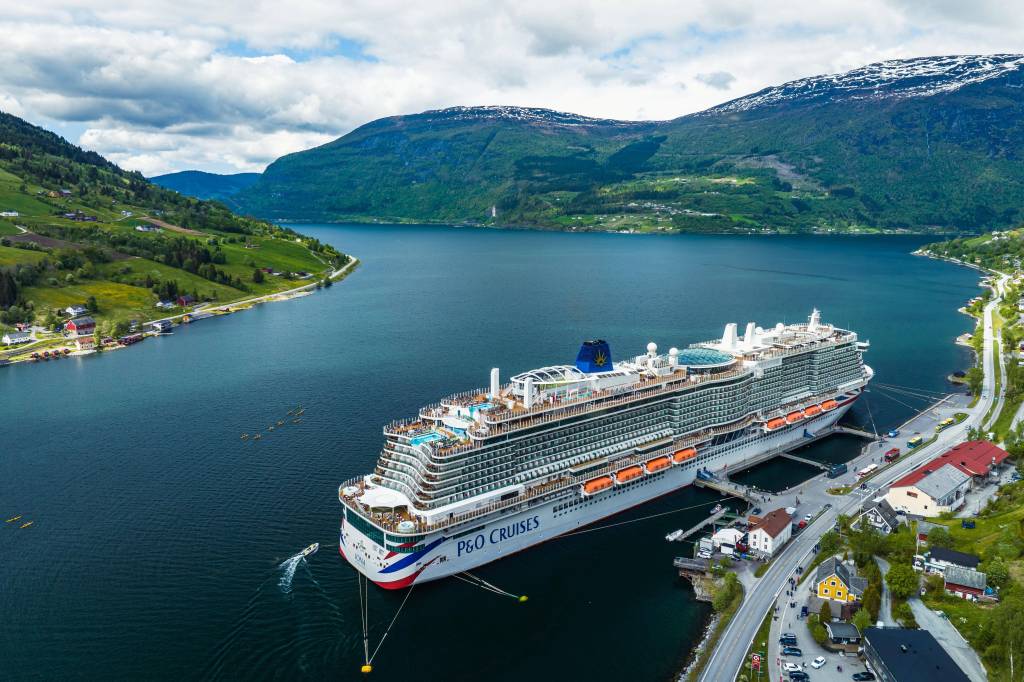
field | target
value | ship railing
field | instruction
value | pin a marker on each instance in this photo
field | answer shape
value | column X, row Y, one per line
column 548, row 413
column 559, row 484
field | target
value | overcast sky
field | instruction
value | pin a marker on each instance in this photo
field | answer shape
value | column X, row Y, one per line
column 227, row 86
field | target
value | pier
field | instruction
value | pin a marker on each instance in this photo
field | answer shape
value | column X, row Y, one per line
column 727, row 487
column 695, row 570
column 708, row 521
column 850, row 431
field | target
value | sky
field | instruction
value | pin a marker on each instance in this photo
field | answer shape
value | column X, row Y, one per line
column 229, row 86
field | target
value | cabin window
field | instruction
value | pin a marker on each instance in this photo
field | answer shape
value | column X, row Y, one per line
column 910, row 494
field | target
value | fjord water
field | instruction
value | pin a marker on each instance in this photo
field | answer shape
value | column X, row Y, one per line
column 162, row 545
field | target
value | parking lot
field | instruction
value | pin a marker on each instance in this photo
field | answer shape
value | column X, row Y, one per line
column 788, row 620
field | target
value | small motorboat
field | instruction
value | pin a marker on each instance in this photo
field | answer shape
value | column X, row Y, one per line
column 311, row 549
column 26, row 525
column 674, row 535
column 296, row 420
column 12, row 520
column 717, row 508
column 245, row 436
column 257, row 437
column 270, row 428
column 280, row 423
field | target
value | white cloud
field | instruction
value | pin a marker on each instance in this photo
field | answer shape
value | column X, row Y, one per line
column 174, row 84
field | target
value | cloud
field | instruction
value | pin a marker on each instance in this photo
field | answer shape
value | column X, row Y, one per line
column 719, row 80
column 174, row 84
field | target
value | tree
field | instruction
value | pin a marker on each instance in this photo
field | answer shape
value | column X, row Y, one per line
column 862, row 620
column 257, row 276
column 975, row 378
column 998, row 572
column 91, row 305
column 939, row 537
column 825, row 612
column 873, row 600
column 902, row 581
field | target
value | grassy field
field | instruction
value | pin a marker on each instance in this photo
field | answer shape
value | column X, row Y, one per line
column 12, row 256
column 117, row 302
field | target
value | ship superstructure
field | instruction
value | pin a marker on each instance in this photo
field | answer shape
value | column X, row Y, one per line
column 491, row 471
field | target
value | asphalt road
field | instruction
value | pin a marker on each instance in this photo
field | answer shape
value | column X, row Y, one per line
column 728, row 657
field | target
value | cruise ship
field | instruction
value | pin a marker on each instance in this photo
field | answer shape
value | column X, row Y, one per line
column 489, row 472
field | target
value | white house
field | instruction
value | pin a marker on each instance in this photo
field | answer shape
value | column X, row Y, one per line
column 929, row 493
column 9, row 214
column 769, row 533
column 11, row 338
column 76, row 310
column 879, row 515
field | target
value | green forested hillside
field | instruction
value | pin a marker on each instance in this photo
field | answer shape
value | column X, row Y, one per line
column 77, row 230
column 859, row 151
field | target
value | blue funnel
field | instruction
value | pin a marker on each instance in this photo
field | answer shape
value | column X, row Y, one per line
column 594, row 356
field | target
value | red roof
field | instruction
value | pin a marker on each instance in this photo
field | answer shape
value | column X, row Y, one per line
column 773, row 522
column 974, row 458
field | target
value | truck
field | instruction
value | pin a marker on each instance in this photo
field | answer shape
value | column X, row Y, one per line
column 914, row 442
column 892, row 455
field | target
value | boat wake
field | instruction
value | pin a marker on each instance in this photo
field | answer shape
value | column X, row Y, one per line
column 288, row 569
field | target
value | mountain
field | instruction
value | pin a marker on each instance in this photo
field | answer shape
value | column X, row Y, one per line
column 203, row 185
column 927, row 144
column 75, row 229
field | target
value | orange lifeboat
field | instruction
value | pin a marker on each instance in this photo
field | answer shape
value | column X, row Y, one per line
column 629, row 473
column 596, row 485
column 812, row 410
column 794, row 417
column 776, row 423
column 658, row 463
column 680, row 456
column 829, row 405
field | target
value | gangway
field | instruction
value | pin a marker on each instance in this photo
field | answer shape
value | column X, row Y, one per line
column 824, row 466
column 850, row 431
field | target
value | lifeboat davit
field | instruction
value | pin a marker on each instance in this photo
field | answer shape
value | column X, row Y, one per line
column 812, row 410
column 628, row 474
column 776, row 423
column 596, row 485
column 829, row 405
column 794, row 417
column 658, row 463
column 680, row 456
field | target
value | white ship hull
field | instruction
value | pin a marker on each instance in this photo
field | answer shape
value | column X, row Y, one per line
column 473, row 543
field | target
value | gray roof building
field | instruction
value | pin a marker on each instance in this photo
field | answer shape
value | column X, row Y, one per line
column 966, row 577
column 839, row 631
column 942, row 555
column 943, row 483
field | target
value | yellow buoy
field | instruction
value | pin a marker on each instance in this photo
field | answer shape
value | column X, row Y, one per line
column 523, row 599
column 366, row 669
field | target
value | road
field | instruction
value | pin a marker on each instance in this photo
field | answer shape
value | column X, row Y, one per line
column 727, row 659
column 950, row 640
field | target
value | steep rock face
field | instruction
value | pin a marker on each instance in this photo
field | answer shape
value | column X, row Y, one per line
column 923, row 143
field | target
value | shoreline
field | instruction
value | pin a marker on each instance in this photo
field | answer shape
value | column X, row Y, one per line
column 771, row 232
column 23, row 353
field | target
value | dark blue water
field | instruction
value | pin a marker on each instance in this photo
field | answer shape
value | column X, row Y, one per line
column 159, row 535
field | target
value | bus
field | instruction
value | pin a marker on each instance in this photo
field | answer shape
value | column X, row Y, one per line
column 945, row 424
column 915, row 441
column 867, row 471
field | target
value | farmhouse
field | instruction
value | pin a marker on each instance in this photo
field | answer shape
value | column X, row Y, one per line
column 80, row 326
column 76, row 310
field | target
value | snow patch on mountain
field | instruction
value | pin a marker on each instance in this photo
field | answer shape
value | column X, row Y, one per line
column 897, row 78
column 523, row 114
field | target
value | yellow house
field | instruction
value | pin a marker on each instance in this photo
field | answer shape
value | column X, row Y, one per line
column 836, row 581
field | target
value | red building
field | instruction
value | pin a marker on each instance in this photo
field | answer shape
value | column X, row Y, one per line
column 185, row 301
column 80, row 326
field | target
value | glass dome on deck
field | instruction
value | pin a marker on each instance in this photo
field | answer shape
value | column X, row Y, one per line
column 704, row 358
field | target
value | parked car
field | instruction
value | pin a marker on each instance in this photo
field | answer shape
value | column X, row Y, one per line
column 787, row 641
column 864, row 676
column 818, row 662
column 808, row 518
column 799, row 675
column 790, row 667
column 792, row 651
column 803, row 611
